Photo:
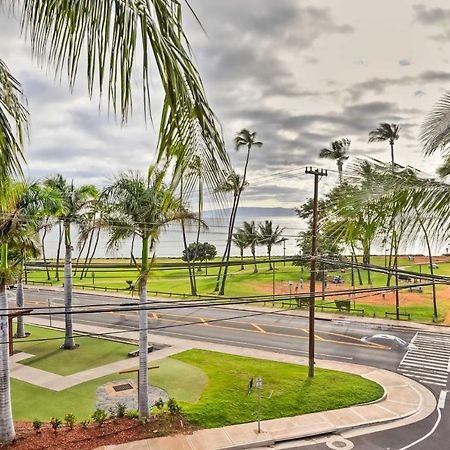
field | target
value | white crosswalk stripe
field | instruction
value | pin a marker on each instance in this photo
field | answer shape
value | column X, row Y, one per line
column 428, row 359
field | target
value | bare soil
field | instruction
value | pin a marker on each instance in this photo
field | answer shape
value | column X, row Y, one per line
column 117, row 431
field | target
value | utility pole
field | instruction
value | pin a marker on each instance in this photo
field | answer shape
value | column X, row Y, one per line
column 318, row 173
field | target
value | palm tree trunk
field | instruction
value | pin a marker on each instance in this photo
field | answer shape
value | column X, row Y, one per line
column 69, row 342
column 20, row 331
column 143, row 334
column 58, row 253
column 79, row 256
column 226, row 254
column 44, row 234
column 392, row 156
column 97, row 238
column 357, row 268
column 190, row 268
column 86, row 259
column 242, row 258
column 340, row 166
column 132, row 249
column 269, row 252
column 7, row 432
column 255, row 270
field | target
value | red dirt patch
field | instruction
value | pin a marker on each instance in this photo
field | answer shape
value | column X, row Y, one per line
column 116, row 431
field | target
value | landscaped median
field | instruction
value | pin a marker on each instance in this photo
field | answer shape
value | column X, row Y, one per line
column 211, row 387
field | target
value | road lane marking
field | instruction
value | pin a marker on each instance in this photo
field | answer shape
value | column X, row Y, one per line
column 427, row 435
column 442, row 397
column 245, row 344
column 258, row 328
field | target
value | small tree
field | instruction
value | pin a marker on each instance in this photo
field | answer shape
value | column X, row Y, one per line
column 241, row 243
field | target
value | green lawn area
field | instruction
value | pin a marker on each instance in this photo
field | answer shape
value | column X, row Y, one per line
column 225, row 400
column 183, row 381
column 212, row 389
column 48, row 355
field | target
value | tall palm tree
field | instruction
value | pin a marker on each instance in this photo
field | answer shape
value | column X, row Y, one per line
column 247, row 139
column 13, row 128
column 241, row 244
column 114, row 40
column 142, row 206
column 10, row 228
column 74, row 202
column 252, row 239
column 337, row 151
column 386, row 132
column 270, row 236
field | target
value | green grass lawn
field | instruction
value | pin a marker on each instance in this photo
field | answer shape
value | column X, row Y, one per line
column 48, row 355
column 225, row 400
column 212, row 389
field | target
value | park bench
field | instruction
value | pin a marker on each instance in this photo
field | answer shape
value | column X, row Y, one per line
column 386, row 314
column 343, row 304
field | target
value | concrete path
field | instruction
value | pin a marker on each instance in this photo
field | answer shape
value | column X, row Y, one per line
column 405, row 401
column 57, row 382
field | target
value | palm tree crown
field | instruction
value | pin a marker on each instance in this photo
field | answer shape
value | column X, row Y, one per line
column 386, row 132
column 338, row 151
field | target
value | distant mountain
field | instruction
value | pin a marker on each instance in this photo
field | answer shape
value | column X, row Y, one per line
column 251, row 212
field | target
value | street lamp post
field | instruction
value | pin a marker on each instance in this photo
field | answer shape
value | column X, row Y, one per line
column 284, row 250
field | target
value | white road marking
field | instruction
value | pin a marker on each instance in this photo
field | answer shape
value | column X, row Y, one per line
column 427, row 435
column 429, row 360
column 442, row 397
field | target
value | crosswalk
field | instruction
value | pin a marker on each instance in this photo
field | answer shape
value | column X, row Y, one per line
column 428, row 359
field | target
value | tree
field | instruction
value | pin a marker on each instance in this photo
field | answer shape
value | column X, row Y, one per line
column 337, row 151
column 13, row 128
column 252, row 239
column 143, row 207
column 74, row 202
column 247, row 139
column 386, row 132
column 199, row 251
column 114, row 40
column 241, row 244
column 269, row 237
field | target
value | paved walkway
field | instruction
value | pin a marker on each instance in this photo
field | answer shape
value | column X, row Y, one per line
column 405, row 401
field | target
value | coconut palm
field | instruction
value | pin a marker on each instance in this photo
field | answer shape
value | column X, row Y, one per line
column 143, row 207
column 337, row 151
column 241, row 244
column 270, row 236
column 74, row 202
column 233, row 184
column 386, row 132
column 252, row 239
column 114, row 40
column 247, row 139
column 13, row 127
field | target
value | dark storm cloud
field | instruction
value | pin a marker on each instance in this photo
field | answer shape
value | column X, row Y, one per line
column 434, row 17
column 379, row 85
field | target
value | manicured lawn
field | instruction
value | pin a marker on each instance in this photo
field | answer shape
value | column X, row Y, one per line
column 212, row 389
column 183, row 381
column 48, row 355
column 287, row 391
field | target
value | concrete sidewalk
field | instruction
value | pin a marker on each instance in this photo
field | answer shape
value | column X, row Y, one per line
column 405, row 401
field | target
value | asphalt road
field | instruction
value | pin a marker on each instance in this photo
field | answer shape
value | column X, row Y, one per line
column 283, row 332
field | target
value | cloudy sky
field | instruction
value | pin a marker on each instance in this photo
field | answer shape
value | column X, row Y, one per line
column 300, row 73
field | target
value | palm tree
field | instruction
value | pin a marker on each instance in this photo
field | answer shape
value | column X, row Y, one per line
column 338, row 151
column 13, row 127
column 74, row 202
column 269, row 237
column 386, row 132
column 252, row 239
column 108, row 38
column 142, row 206
column 240, row 242
column 247, row 139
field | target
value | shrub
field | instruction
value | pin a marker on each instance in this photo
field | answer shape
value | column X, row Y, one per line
column 85, row 423
column 55, row 423
column 173, row 406
column 37, row 424
column 132, row 414
column 121, row 409
column 99, row 416
column 112, row 413
column 69, row 420
column 159, row 404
